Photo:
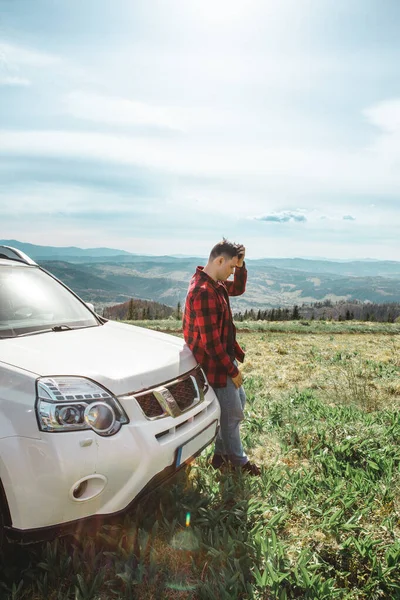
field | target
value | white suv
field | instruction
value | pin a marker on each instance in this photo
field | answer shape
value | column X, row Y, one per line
column 93, row 413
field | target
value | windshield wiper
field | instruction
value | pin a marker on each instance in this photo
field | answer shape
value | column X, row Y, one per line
column 56, row 328
column 62, row 328
column 48, row 330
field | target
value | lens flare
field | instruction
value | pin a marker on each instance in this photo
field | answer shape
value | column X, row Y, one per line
column 187, row 519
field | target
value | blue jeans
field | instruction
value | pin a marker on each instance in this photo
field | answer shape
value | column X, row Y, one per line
column 228, row 443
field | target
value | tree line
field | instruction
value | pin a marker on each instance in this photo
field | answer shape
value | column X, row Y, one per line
column 138, row 310
column 135, row 309
column 327, row 310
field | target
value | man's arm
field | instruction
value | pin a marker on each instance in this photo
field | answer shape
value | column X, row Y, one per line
column 205, row 307
column 238, row 286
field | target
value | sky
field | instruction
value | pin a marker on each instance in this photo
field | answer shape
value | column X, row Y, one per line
column 160, row 126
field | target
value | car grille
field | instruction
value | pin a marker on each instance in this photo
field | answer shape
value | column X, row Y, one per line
column 150, row 405
column 175, row 397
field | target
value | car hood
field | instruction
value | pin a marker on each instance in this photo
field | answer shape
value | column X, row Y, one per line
column 121, row 357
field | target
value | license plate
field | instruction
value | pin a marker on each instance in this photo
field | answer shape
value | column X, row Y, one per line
column 198, row 442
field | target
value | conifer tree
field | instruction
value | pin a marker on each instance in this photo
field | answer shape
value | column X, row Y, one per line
column 130, row 310
column 178, row 314
column 295, row 313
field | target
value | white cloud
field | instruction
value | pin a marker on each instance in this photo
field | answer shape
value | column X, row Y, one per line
column 269, row 176
column 298, row 170
column 385, row 149
column 23, row 66
column 12, row 80
column 312, row 217
column 188, row 155
column 385, row 115
column 118, row 111
column 19, row 65
column 283, row 217
column 12, row 56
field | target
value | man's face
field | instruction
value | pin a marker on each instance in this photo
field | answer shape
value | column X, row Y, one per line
column 226, row 267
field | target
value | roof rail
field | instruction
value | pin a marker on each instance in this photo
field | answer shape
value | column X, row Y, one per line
column 14, row 254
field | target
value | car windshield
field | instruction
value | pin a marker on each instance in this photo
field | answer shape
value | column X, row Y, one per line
column 32, row 301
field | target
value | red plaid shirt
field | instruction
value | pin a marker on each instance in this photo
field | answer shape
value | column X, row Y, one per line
column 207, row 324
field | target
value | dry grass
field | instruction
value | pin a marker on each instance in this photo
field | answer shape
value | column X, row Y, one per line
column 335, row 365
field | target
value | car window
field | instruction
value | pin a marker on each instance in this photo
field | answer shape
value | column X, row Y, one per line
column 31, row 300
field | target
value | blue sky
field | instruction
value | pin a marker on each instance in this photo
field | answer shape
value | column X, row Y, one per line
column 158, row 126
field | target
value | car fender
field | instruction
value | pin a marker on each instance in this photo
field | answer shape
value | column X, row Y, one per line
column 17, row 402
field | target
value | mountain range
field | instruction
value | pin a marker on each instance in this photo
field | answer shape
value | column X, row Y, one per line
column 107, row 276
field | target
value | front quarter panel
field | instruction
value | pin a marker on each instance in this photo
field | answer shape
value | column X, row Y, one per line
column 17, row 403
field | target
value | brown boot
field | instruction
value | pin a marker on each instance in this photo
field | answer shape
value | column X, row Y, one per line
column 219, row 460
column 252, row 469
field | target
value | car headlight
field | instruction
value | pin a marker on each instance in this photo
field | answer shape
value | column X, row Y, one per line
column 76, row 403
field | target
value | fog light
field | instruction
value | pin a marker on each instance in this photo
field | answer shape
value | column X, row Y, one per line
column 80, row 489
column 100, row 416
column 87, row 488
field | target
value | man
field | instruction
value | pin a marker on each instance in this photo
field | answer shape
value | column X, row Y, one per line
column 210, row 333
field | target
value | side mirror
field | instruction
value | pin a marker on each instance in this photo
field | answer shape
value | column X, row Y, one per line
column 90, row 306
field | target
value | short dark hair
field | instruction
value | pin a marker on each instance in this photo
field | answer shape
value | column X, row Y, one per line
column 225, row 248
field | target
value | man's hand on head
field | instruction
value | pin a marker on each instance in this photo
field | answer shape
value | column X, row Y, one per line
column 241, row 255
column 238, row 380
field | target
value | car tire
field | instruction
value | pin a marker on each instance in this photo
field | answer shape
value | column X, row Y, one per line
column 4, row 520
column 2, row 536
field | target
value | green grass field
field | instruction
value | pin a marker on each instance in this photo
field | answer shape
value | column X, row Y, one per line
column 322, row 522
column 174, row 325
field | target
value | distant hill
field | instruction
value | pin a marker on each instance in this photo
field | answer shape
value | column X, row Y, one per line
column 62, row 253
column 356, row 268
column 347, row 268
column 105, row 276
column 105, row 283
column 83, row 281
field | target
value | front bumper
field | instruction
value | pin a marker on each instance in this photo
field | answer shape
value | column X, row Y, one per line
column 29, row 536
column 39, row 475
